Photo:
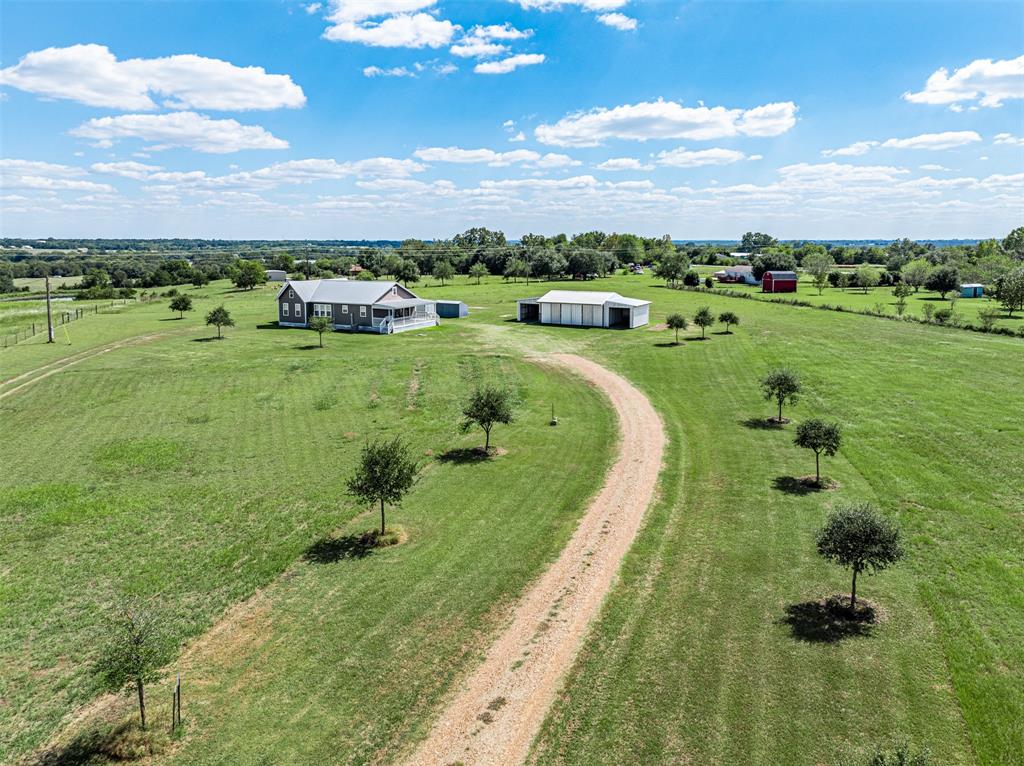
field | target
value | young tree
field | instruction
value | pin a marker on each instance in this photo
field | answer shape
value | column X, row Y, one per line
column 1010, row 291
column 867, row 277
column 516, row 268
column 385, row 474
column 220, row 317
column 443, row 270
column 676, row 322
column 691, row 278
column 728, row 318
column 320, row 325
column 181, row 304
column 901, row 292
column 821, row 437
column 135, row 651
column 486, row 407
column 709, row 283
column 783, row 386
column 857, row 536
column 200, row 278
column 818, row 265
column 943, row 279
column 249, row 274
column 478, row 271
column 703, row 319
column 845, row 278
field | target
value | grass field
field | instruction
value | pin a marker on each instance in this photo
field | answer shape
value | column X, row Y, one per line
column 38, row 284
column 876, row 298
column 708, row 651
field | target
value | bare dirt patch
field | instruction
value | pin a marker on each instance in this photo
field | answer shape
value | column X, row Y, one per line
column 525, row 665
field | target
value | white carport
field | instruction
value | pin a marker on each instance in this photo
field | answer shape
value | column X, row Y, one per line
column 581, row 308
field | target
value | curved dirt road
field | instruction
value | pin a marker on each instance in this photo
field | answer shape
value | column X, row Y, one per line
column 498, row 709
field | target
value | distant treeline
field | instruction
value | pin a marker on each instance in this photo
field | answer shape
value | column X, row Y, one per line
column 109, row 266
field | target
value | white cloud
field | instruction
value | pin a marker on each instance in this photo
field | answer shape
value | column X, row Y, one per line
column 517, row 138
column 135, row 170
column 500, row 32
column 395, row 71
column 932, row 167
column 587, row 5
column 933, row 141
column 1008, row 139
column 46, row 176
column 477, row 48
column 312, row 8
column 666, row 119
column 986, row 81
column 853, row 150
column 494, row 159
column 506, row 65
column 418, row 30
column 92, row 75
column 618, row 21
column 360, row 10
column 683, row 158
column 443, row 69
column 179, row 129
column 623, row 163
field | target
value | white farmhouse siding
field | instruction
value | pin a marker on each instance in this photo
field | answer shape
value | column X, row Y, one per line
column 578, row 308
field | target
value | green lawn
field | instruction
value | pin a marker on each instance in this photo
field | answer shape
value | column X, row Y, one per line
column 881, row 298
column 175, row 480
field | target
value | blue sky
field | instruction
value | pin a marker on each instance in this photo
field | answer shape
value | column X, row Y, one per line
column 395, row 118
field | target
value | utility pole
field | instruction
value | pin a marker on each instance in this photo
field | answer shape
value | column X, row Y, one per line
column 49, row 313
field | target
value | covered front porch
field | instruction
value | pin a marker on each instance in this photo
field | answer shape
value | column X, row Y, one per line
column 407, row 314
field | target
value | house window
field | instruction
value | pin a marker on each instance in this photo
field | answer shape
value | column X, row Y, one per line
column 298, row 309
column 362, row 311
column 321, row 309
column 291, row 293
column 284, row 309
column 344, row 308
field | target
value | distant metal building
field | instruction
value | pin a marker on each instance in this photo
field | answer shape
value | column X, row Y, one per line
column 582, row 308
column 452, row 309
column 277, row 275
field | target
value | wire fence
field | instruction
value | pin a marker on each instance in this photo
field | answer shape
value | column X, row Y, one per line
column 60, row 317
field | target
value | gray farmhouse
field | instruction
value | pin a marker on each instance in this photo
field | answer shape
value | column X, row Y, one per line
column 370, row 306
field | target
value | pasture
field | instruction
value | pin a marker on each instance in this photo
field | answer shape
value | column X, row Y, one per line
column 203, row 471
column 881, row 300
column 38, row 284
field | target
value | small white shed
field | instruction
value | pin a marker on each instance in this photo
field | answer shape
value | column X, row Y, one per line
column 585, row 309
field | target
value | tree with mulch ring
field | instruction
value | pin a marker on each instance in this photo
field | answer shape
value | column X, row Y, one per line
column 385, row 474
column 820, row 437
column 782, row 385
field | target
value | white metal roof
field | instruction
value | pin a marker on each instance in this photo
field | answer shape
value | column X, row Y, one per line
column 587, row 297
column 339, row 290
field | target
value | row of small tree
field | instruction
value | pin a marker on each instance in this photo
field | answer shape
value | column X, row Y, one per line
column 704, row 319
column 856, row 536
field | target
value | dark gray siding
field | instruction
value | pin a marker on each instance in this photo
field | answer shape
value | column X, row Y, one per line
column 296, row 309
column 347, row 315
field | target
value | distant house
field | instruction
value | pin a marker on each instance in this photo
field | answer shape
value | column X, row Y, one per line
column 779, row 282
column 973, row 290
column 276, row 275
column 734, row 274
column 584, row 309
column 369, row 306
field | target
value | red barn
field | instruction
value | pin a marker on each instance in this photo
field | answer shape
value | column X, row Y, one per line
column 779, row 282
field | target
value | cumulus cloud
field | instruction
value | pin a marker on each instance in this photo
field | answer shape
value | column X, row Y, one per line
column 853, row 150
column 518, row 138
column 1008, row 139
column 683, row 158
column 477, row 48
column 46, row 176
column 312, row 8
column 359, row 10
column 618, row 21
column 984, row 81
column 933, row 141
column 92, row 75
column 492, row 158
column 500, row 32
column 587, row 5
column 179, row 129
column 405, row 30
column 666, row 119
column 623, row 163
column 932, row 167
column 510, row 64
column 395, row 71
